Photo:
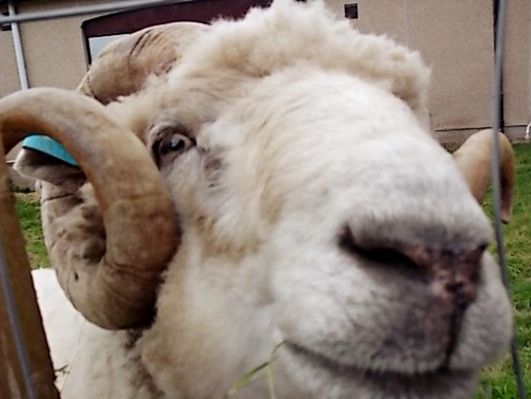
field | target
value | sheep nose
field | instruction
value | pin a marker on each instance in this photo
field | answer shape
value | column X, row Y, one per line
column 452, row 270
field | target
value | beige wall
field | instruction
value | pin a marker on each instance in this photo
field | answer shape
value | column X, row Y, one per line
column 54, row 52
column 53, row 49
column 517, row 74
column 455, row 37
column 8, row 67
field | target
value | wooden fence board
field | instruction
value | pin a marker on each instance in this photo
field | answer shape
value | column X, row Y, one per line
column 12, row 250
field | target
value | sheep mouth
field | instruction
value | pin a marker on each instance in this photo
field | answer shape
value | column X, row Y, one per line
column 388, row 377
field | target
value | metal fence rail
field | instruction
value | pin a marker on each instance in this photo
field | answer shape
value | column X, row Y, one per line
column 497, row 123
column 25, row 367
column 123, row 5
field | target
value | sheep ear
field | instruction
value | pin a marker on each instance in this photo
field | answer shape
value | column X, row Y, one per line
column 40, row 166
column 473, row 159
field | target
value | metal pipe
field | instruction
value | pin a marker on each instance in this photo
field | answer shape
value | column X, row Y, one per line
column 497, row 109
column 529, row 76
column 19, row 50
column 14, row 324
column 25, row 365
column 501, row 95
column 95, row 9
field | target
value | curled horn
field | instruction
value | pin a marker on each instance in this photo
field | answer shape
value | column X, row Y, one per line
column 473, row 159
column 117, row 290
column 110, row 277
column 122, row 68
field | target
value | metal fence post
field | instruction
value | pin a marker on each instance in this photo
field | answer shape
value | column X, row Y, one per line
column 26, row 371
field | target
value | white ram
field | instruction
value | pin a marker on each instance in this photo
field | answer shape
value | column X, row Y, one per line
column 297, row 199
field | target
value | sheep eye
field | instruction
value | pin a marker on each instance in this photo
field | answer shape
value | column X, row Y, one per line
column 171, row 144
column 174, row 143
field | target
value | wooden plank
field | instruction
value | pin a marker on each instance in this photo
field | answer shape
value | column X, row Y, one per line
column 26, row 370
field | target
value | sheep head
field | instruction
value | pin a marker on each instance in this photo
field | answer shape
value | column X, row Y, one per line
column 314, row 210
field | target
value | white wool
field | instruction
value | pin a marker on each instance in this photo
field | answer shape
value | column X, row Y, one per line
column 290, row 33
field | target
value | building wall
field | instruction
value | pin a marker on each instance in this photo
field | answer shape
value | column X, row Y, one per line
column 54, row 48
column 455, row 37
column 517, row 78
column 8, row 67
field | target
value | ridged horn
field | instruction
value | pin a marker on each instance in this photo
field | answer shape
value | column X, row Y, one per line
column 473, row 159
column 123, row 66
column 118, row 290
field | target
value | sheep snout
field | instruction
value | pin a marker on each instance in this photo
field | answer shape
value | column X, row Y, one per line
column 451, row 270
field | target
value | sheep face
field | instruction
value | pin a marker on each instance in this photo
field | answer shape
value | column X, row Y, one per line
column 315, row 212
column 335, row 225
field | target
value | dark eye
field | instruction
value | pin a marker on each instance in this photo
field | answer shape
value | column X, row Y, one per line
column 174, row 143
column 170, row 144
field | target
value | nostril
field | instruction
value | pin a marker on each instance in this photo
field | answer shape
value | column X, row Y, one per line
column 454, row 287
column 452, row 268
column 463, row 293
column 382, row 253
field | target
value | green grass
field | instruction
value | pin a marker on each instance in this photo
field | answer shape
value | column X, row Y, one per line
column 497, row 381
column 27, row 208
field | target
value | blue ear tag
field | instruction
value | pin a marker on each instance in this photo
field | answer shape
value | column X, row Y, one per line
column 48, row 146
